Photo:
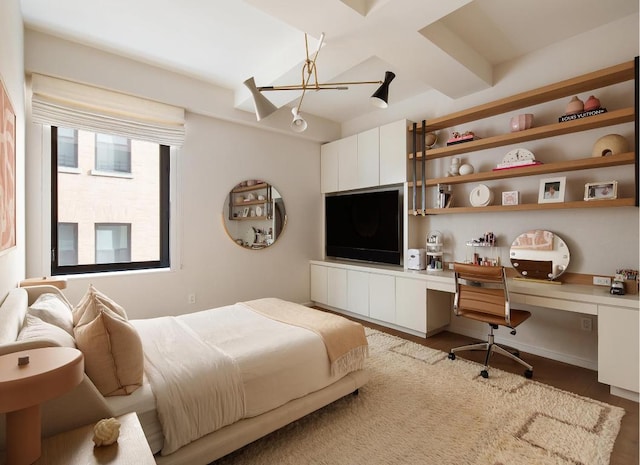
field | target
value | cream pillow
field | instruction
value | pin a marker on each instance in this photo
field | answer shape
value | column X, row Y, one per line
column 113, row 357
column 91, row 304
column 52, row 309
column 35, row 328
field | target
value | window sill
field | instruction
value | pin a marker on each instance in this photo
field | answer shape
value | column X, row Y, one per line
column 111, row 174
column 69, row 170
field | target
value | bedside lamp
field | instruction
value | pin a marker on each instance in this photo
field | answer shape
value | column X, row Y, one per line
column 27, row 379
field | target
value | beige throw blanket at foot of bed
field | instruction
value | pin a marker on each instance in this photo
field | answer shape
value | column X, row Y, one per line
column 198, row 388
column 345, row 340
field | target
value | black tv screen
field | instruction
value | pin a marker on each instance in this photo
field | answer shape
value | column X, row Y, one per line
column 365, row 226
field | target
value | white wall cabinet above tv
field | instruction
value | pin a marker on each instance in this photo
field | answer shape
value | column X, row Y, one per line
column 376, row 157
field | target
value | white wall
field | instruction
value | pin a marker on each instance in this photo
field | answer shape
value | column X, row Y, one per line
column 12, row 262
column 217, row 154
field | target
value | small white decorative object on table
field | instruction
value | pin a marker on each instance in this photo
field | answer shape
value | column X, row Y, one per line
column 106, row 432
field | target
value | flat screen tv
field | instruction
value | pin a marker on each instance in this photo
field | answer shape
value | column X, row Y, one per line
column 365, row 226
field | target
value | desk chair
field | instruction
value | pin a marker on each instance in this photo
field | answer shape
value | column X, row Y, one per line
column 482, row 295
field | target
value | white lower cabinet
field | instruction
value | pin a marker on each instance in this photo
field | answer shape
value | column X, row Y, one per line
column 618, row 359
column 382, row 297
column 411, row 304
column 337, row 288
column 358, row 292
column 319, row 284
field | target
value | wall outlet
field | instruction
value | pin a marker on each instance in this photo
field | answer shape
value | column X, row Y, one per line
column 601, row 281
column 451, row 266
column 586, row 324
column 191, row 298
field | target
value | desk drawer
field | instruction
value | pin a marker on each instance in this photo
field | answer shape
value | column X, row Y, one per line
column 568, row 305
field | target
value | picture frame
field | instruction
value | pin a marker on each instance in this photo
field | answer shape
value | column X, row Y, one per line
column 7, row 172
column 605, row 190
column 245, row 212
column 511, row 198
column 552, row 190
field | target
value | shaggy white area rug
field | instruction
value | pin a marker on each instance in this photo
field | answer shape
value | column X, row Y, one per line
column 419, row 407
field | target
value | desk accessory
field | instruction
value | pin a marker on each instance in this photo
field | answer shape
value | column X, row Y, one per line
column 416, row 259
column 435, row 252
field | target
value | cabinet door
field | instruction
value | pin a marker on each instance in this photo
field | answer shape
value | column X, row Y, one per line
column 411, row 304
column 348, row 163
column 393, row 153
column 358, row 292
column 319, row 284
column 329, row 167
column 369, row 158
column 382, row 297
column 337, row 288
column 618, row 359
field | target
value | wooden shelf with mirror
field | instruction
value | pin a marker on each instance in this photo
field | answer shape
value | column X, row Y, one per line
column 609, row 76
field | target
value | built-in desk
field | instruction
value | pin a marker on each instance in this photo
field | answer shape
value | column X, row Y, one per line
column 396, row 298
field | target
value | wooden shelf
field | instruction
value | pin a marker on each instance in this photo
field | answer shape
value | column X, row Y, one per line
column 568, row 165
column 245, row 218
column 624, row 202
column 586, row 82
column 262, row 185
column 605, row 77
column 249, row 202
column 610, row 118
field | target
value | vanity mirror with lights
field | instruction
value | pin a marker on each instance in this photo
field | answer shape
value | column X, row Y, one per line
column 539, row 255
column 254, row 214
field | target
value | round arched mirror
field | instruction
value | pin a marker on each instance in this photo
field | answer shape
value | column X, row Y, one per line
column 539, row 254
column 254, row 214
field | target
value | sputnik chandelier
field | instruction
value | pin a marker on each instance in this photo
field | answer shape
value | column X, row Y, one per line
column 264, row 107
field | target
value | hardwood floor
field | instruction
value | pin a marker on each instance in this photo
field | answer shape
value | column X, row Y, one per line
column 570, row 378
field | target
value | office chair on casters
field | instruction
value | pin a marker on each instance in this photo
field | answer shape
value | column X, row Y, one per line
column 482, row 294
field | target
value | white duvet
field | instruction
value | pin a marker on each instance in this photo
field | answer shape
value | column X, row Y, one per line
column 254, row 363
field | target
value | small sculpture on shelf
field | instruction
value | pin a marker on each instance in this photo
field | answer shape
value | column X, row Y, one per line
column 577, row 109
column 458, row 137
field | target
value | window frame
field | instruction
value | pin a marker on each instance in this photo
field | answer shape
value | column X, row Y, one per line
column 163, row 227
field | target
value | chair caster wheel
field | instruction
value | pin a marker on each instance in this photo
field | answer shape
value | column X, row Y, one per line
column 528, row 374
column 484, row 373
column 452, row 356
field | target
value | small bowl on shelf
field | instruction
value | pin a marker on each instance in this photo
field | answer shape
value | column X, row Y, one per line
column 521, row 122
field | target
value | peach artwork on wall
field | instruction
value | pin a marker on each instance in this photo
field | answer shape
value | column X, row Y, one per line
column 7, row 173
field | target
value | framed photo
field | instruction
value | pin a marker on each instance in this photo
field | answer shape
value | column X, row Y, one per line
column 601, row 190
column 511, row 198
column 245, row 212
column 7, row 172
column 552, row 190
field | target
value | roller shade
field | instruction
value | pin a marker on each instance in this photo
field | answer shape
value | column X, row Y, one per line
column 59, row 102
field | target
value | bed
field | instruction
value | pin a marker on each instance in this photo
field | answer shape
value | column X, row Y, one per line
column 277, row 367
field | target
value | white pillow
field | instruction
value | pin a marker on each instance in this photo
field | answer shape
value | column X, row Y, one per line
column 51, row 309
column 92, row 304
column 35, row 328
column 113, row 357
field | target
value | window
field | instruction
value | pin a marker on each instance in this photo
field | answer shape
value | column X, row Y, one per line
column 113, row 153
column 105, row 223
column 68, row 243
column 113, row 243
column 67, row 148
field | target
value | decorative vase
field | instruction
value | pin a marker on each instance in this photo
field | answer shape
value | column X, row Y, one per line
column 592, row 103
column 454, row 169
column 465, row 169
column 430, row 139
column 574, row 106
column 611, row 144
column 521, row 122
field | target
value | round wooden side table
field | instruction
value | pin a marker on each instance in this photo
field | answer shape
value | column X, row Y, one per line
column 28, row 378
